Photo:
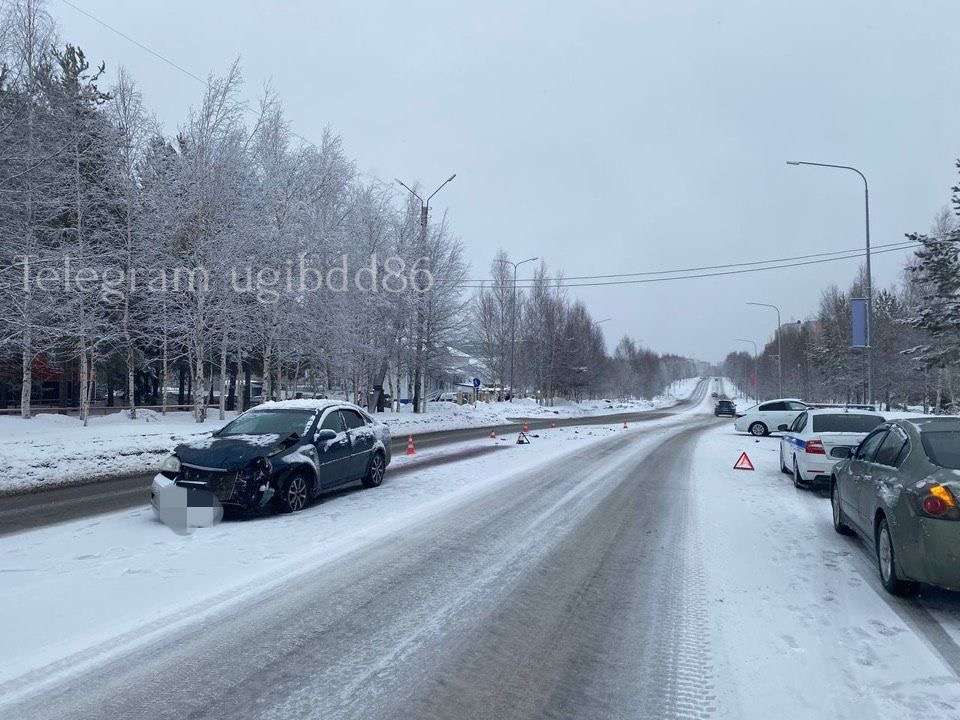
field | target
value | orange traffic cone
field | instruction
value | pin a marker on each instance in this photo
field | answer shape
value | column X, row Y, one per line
column 493, row 435
column 553, row 424
column 624, row 424
column 526, row 429
column 410, row 450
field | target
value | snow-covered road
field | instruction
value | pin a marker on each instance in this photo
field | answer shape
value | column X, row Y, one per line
column 596, row 573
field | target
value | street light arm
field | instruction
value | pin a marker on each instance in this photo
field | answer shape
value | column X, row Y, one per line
column 408, row 189
column 449, row 179
column 830, row 165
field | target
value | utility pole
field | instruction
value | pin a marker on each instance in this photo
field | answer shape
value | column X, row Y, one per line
column 869, row 281
column 419, row 372
column 779, row 343
column 513, row 314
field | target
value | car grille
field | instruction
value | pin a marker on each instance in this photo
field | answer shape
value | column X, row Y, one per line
column 221, row 483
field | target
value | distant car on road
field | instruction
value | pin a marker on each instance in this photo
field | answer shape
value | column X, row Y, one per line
column 900, row 490
column 282, row 453
column 716, row 395
column 725, row 407
column 805, row 446
column 761, row 419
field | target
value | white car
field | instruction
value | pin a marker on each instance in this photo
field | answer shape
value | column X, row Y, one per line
column 806, row 445
column 766, row 417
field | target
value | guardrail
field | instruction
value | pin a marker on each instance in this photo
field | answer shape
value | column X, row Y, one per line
column 94, row 409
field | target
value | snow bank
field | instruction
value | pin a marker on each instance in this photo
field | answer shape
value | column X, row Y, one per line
column 51, row 450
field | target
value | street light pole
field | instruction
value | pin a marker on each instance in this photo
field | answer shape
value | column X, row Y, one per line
column 513, row 314
column 420, row 396
column 756, row 365
column 779, row 343
column 869, row 283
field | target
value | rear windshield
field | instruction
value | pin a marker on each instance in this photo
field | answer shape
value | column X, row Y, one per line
column 725, row 403
column 942, row 447
column 845, row 423
column 261, row 422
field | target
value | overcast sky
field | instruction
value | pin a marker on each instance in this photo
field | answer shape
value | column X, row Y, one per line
column 605, row 137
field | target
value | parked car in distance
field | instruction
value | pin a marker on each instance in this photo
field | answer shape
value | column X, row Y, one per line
column 725, row 407
column 805, row 446
column 282, row 453
column 766, row 417
column 900, row 490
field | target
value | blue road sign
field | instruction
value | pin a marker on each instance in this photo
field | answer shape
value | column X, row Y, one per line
column 476, row 382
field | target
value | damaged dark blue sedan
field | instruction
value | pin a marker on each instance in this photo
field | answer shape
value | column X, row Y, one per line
column 282, row 454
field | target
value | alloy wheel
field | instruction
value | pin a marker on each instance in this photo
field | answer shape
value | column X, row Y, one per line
column 885, row 554
column 297, row 493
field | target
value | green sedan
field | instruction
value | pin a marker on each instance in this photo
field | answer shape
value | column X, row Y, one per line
column 900, row 490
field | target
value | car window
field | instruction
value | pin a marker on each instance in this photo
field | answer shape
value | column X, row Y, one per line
column 794, row 405
column 868, row 449
column 264, row 422
column 773, row 407
column 846, row 422
column 890, row 449
column 352, row 418
column 799, row 423
column 332, row 422
column 942, row 447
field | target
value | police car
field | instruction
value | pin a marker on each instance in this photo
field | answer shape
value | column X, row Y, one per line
column 806, row 444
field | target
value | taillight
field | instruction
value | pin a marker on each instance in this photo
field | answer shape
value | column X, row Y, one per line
column 936, row 501
column 814, row 447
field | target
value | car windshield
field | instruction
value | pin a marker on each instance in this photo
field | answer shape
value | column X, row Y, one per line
column 262, row 422
column 942, row 447
column 845, row 423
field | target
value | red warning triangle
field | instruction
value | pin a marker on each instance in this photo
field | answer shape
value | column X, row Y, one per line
column 743, row 463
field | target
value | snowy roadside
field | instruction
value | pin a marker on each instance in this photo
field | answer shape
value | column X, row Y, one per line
column 130, row 579
column 55, row 450
column 800, row 625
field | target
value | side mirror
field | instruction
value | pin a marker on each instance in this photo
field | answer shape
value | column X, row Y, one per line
column 842, row 452
column 782, row 428
column 324, row 435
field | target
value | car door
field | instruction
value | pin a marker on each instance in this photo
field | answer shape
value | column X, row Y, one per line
column 334, row 456
column 885, row 473
column 861, row 477
column 792, row 439
column 791, row 411
column 362, row 440
column 770, row 413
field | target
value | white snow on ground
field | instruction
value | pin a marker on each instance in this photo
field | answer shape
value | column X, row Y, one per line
column 50, row 450
column 129, row 578
column 801, row 626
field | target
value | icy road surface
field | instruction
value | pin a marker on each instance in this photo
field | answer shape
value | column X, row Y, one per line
column 594, row 574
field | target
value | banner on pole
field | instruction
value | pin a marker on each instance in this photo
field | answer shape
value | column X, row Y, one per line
column 858, row 310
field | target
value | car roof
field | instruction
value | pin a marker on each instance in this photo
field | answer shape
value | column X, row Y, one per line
column 782, row 400
column 303, row 404
column 933, row 423
column 844, row 411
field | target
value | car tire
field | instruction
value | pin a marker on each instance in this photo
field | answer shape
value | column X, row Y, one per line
column 797, row 482
column 378, row 467
column 887, row 563
column 783, row 467
column 294, row 493
column 758, row 429
column 839, row 519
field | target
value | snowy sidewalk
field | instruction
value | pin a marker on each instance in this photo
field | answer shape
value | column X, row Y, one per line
column 801, row 627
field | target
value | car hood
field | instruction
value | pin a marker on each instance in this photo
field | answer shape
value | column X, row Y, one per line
column 232, row 452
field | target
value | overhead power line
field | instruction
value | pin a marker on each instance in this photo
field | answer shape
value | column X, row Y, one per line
column 738, row 269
